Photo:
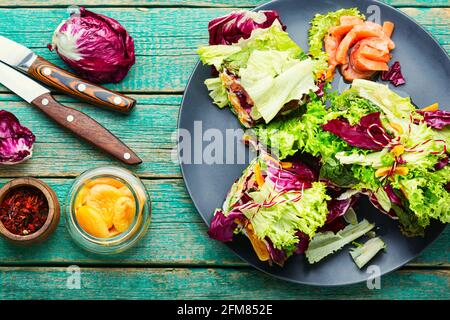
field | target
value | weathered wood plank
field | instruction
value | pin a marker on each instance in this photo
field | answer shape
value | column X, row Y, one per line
column 166, row 50
column 177, row 236
column 149, row 130
column 190, row 3
column 200, row 283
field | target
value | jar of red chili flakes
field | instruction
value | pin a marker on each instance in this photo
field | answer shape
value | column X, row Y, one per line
column 29, row 211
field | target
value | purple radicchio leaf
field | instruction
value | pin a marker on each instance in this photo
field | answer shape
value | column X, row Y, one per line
column 394, row 75
column 438, row 119
column 16, row 141
column 337, row 208
column 368, row 134
column 238, row 25
column 321, row 85
column 392, row 195
column 303, row 242
column 222, row 227
column 336, row 225
column 441, row 163
column 276, row 255
column 97, row 47
column 296, row 177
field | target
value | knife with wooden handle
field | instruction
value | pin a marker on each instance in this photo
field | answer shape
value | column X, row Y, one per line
column 76, row 121
column 22, row 58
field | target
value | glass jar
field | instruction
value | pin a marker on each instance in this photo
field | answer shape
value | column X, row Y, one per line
column 124, row 240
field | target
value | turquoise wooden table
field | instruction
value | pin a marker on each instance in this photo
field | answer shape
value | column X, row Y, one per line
column 175, row 259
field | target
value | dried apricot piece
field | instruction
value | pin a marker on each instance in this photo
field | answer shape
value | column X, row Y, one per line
column 126, row 192
column 108, row 181
column 92, row 221
column 124, row 211
column 81, row 197
column 103, row 197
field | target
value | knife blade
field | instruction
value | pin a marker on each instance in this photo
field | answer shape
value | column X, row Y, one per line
column 24, row 59
column 76, row 121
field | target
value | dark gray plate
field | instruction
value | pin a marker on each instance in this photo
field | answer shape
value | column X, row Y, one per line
column 426, row 67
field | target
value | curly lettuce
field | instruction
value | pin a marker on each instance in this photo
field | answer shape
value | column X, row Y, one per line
column 280, row 222
column 218, row 92
column 418, row 193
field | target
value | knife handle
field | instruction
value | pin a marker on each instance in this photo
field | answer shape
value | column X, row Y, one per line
column 69, row 83
column 86, row 128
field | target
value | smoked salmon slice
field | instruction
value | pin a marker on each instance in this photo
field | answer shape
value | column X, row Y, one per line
column 350, row 74
column 364, row 64
column 360, row 48
column 350, row 20
column 333, row 39
column 374, row 54
column 388, row 28
column 357, row 33
column 375, row 49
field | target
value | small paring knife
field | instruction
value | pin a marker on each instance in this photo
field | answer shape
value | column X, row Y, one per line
column 22, row 58
column 76, row 121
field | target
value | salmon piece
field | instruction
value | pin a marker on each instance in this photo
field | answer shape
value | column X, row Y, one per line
column 331, row 45
column 360, row 32
column 340, row 31
column 350, row 74
column 350, row 20
column 375, row 49
column 346, row 24
column 388, row 28
column 333, row 39
column 364, row 64
column 377, row 43
column 374, row 54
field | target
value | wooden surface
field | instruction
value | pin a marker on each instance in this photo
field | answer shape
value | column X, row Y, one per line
column 175, row 259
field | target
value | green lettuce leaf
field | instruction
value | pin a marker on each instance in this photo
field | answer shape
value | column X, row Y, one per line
column 272, row 79
column 443, row 134
column 325, row 243
column 409, row 224
column 280, row 222
column 383, row 199
column 351, row 106
column 350, row 216
column 302, row 132
column 235, row 56
column 426, row 194
column 217, row 92
column 363, row 254
column 366, row 177
column 392, row 105
column 374, row 159
column 338, row 173
column 215, row 55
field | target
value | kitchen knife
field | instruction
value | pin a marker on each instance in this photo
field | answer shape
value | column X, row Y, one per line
column 22, row 58
column 76, row 121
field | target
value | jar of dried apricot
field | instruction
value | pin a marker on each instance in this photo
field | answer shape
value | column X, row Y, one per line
column 107, row 210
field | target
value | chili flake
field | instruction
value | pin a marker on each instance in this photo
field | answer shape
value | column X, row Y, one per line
column 24, row 210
